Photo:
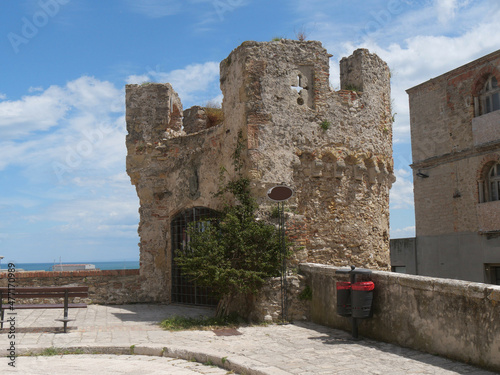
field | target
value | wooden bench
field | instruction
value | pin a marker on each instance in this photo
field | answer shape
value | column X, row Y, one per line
column 10, row 297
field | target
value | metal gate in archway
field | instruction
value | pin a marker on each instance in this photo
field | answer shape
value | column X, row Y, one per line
column 183, row 290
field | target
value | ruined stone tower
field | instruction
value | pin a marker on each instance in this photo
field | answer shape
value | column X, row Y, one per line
column 334, row 148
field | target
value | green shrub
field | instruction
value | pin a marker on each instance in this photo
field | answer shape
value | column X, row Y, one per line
column 306, row 294
column 234, row 253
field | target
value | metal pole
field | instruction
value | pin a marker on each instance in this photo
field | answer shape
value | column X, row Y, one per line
column 354, row 321
column 281, row 226
column 282, row 284
column 283, row 247
column 280, row 194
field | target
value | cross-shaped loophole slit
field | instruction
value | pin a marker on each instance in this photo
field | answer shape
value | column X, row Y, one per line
column 299, row 84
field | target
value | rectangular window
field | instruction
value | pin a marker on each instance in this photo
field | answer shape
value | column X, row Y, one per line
column 493, row 273
column 495, row 191
column 399, row 269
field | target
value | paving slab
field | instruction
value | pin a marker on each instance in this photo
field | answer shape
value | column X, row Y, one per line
column 110, row 364
column 110, row 334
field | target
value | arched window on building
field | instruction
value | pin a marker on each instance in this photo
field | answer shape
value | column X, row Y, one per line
column 494, row 183
column 489, row 96
column 489, row 183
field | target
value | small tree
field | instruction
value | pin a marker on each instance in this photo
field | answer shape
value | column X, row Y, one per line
column 233, row 253
column 301, row 34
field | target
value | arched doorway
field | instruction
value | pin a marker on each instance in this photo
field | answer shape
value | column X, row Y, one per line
column 184, row 291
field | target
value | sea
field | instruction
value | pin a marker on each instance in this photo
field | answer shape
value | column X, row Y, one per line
column 118, row 265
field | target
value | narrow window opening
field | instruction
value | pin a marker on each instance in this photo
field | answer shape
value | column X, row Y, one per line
column 490, row 96
column 494, row 183
column 298, row 84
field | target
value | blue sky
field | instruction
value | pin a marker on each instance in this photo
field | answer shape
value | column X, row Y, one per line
column 64, row 64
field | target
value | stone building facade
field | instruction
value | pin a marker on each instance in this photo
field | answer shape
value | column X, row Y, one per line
column 455, row 131
column 334, row 148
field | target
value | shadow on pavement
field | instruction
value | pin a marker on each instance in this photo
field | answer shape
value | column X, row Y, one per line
column 40, row 330
column 331, row 336
column 152, row 313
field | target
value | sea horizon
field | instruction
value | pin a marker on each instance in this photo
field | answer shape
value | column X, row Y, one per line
column 106, row 265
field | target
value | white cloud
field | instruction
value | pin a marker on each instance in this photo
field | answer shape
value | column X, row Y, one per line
column 65, row 148
column 47, row 110
column 445, row 9
column 104, row 210
column 79, row 129
column 401, row 195
column 416, row 39
column 32, row 113
column 192, row 83
column 11, row 152
column 217, row 11
column 423, row 57
column 217, row 100
column 97, row 206
column 406, row 232
column 194, row 76
column 428, row 49
column 3, row 96
column 138, row 79
column 35, row 89
column 334, row 75
column 85, row 145
column 26, row 202
column 91, row 95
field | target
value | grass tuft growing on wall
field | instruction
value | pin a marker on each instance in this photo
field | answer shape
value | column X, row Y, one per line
column 215, row 114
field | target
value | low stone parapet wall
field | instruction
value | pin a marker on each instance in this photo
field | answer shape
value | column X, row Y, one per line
column 450, row 318
column 105, row 286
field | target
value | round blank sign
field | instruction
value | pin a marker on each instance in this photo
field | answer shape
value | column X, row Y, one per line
column 279, row 193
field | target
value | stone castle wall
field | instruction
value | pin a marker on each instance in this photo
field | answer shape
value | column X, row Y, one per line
column 108, row 287
column 172, row 172
column 341, row 175
column 333, row 148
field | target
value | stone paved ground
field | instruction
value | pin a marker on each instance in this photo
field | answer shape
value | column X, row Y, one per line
column 300, row 348
column 111, row 364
